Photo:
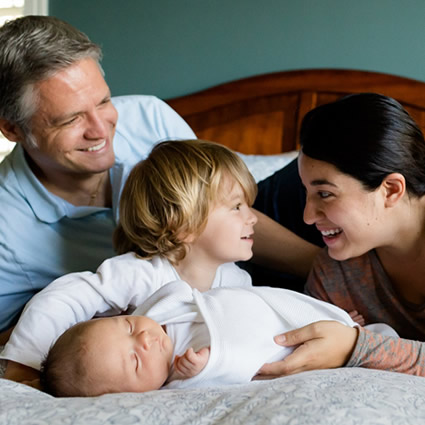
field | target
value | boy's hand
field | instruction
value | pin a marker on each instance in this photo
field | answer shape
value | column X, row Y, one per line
column 190, row 363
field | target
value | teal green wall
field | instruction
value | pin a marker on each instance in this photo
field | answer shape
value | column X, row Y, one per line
column 174, row 47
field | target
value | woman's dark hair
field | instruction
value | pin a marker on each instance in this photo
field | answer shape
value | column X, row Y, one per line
column 367, row 136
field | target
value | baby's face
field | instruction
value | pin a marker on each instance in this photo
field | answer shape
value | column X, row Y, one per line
column 128, row 354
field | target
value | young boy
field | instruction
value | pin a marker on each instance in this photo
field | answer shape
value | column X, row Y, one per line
column 185, row 214
column 182, row 338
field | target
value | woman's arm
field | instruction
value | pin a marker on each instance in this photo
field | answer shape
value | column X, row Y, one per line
column 376, row 351
column 321, row 345
column 278, row 248
column 324, row 345
column 330, row 344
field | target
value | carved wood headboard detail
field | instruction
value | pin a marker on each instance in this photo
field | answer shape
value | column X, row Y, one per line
column 262, row 114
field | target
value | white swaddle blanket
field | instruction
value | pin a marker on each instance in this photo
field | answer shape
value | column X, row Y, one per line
column 237, row 323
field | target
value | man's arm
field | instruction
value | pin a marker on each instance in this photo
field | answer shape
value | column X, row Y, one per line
column 278, row 248
column 4, row 336
column 21, row 373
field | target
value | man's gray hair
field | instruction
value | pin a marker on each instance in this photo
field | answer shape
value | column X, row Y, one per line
column 32, row 49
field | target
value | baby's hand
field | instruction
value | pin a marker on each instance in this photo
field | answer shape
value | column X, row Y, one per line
column 190, row 363
column 357, row 317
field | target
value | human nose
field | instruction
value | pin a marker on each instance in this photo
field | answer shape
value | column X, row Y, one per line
column 145, row 340
column 311, row 212
column 96, row 126
column 251, row 218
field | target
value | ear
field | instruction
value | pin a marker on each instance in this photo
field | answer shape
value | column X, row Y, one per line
column 394, row 186
column 11, row 131
column 187, row 239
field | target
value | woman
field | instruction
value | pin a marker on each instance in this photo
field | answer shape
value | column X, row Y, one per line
column 363, row 166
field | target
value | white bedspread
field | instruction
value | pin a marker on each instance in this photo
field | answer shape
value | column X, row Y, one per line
column 347, row 396
column 339, row 396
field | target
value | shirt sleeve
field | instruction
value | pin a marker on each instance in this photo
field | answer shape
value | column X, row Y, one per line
column 144, row 121
column 119, row 283
column 16, row 287
column 171, row 124
column 376, row 351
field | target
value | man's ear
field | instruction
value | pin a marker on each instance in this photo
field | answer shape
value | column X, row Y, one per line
column 11, row 131
column 394, row 186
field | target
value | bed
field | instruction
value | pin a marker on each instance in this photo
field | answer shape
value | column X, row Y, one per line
column 259, row 117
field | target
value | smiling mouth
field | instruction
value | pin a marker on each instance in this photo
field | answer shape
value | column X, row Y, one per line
column 331, row 233
column 94, row 148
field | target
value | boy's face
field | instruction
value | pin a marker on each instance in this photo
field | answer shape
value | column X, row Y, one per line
column 227, row 236
column 127, row 354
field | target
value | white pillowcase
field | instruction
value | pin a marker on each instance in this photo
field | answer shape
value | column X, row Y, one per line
column 263, row 166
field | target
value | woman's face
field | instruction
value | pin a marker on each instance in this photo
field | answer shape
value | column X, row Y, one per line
column 349, row 217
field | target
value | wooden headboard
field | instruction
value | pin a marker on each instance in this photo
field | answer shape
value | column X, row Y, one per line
column 262, row 114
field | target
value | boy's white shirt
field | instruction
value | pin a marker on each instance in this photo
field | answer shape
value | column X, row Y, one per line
column 120, row 283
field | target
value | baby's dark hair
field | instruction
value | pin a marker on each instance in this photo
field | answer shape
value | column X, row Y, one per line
column 64, row 372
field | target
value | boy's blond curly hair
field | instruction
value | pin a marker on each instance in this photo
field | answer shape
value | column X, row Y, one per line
column 168, row 196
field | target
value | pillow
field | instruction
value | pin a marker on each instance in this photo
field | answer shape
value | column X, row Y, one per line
column 5, row 147
column 263, row 166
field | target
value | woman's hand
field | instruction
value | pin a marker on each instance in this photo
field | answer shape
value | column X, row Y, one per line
column 320, row 345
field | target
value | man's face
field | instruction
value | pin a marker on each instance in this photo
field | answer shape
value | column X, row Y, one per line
column 74, row 124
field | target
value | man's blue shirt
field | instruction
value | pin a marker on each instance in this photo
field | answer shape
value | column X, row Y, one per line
column 42, row 236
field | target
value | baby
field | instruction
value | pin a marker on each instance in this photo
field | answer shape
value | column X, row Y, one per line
column 116, row 354
column 181, row 338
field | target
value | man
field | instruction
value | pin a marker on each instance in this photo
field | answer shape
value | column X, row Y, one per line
column 60, row 187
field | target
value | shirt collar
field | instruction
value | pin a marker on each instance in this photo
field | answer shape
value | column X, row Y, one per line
column 46, row 206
